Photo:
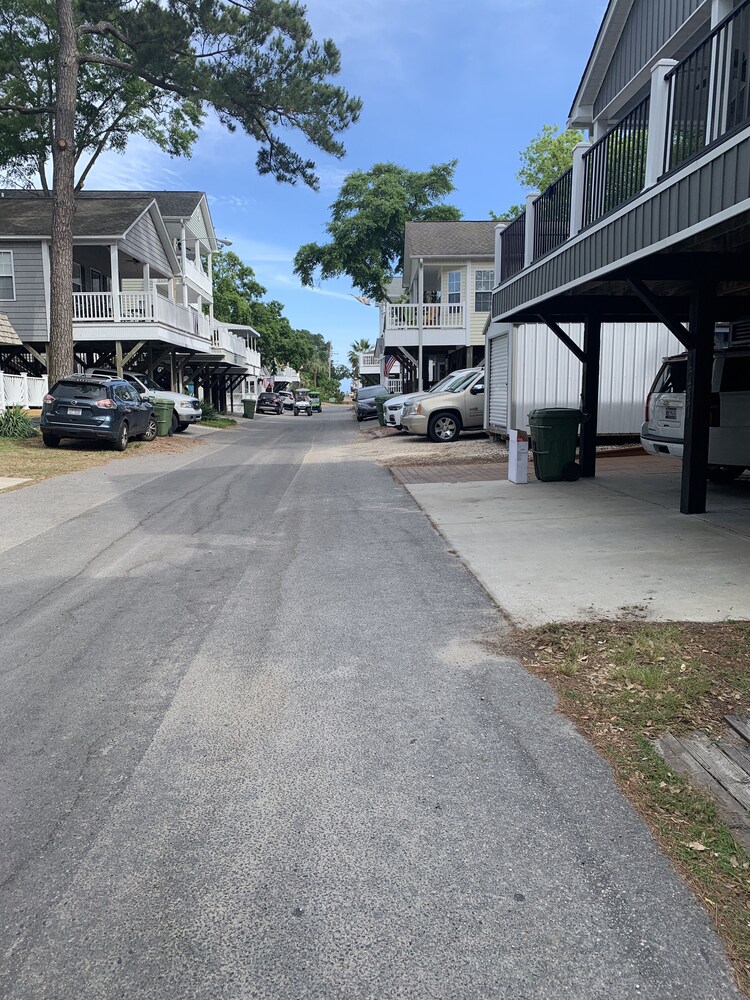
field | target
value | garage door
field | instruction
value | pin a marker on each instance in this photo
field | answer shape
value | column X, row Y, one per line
column 498, row 403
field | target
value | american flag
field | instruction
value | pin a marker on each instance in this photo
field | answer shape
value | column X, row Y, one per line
column 390, row 361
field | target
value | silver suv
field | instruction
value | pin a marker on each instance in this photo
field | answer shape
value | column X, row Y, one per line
column 187, row 409
column 443, row 415
column 663, row 430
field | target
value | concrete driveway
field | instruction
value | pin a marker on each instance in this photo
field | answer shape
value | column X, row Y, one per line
column 614, row 546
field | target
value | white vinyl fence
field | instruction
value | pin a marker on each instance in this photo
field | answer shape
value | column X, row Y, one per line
column 21, row 390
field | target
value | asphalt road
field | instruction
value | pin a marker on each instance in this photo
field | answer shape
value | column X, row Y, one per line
column 250, row 747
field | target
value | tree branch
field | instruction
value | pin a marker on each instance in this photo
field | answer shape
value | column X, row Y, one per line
column 18, row 109
column 148, row 77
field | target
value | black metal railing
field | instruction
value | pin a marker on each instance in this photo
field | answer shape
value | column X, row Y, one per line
column 513, row 255
column 709, row 91
column 552, row 211
column 615, row 166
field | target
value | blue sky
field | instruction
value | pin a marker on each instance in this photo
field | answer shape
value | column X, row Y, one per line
column 439, row 81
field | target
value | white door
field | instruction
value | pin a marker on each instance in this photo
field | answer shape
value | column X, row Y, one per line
column 498, row 382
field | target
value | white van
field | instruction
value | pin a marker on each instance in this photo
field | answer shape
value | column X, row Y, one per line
column 663, row 430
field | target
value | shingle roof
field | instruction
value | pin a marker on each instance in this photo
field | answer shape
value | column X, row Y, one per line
column 107, row 215
column 450, row 239
column 8, row 336
column 172, row 204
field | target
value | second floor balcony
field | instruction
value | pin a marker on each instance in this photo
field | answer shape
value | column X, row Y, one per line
column 439, row 324
column 672, row 165
column 116, row 308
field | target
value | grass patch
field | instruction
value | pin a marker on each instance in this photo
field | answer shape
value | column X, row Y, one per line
column 29, row 459
column 625, row 683
column 222, row 422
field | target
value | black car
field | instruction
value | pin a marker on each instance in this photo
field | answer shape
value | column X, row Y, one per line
column 96, row 407
column 270, row 401
column 366, row 396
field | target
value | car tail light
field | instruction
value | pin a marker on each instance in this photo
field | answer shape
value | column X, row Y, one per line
column 105, row 404
column 48, row 398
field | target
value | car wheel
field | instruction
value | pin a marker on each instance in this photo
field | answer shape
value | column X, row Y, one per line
column 152, row 429
column 121, row 442
column 359, row 419
column 51, row 440
column 444, row 427
column 181, row 427
column 724, row 473
column 309, row 413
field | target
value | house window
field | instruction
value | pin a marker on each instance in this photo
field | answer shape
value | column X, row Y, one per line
column 454, row 286
column 77, row 277
column 7, row 284
column 483, row 282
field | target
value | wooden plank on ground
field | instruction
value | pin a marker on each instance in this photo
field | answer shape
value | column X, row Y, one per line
column 683, row 762
column 728, row 774
column 739, row 754
column 740, row 724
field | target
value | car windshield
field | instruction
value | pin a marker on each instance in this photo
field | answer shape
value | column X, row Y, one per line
column 462, row 383
column 148, row 382
column 79, row 390
column 446, row 384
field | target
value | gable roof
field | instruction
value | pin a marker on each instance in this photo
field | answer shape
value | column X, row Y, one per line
column 31, row 216
column 449, row 239
column 8, row 336
column 175, row 206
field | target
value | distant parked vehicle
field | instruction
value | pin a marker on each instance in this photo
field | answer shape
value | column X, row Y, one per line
column 287, row 398
column 443, row 415
column 365, row 406
column 315, row 400
column 663, row 430
column 269, row 401
column 187, row 409
column 393, row 409
column 96, row 407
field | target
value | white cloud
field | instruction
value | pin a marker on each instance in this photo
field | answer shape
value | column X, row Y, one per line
column 142, row 166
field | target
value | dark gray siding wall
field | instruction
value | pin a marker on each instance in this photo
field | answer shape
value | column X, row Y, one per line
column 142, row 240
column 710, row 189
column 27, row 313
column 650, row 25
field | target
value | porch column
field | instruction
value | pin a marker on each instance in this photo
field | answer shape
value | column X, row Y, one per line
column 420, row 321
column 698, row 398
column 529, row 247
column 183, row 263
column 146, row 277
column 578, row 188
column 114, row 266
column 658, row 121
column 499, row 251
column 590, row 394
column 210, row 259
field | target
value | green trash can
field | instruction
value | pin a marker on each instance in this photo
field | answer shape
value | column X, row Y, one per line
column 380, row 402
column 163, row 410
column 554, row 435
column 248, row 408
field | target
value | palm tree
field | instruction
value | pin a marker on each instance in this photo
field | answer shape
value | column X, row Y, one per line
column 361, row 346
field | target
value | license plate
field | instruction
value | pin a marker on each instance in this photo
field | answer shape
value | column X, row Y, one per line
column 670, row 412
column 74, row 411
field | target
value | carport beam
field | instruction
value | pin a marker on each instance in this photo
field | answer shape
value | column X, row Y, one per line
column 590, row 395
column 698, row 400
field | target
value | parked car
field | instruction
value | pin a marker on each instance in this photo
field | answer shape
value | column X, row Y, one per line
column 663, row 430
column 269, row 401
column 302, row 403
column 365, row 406
column 96, row 407
column 443, row 415
column 187, row 409
column 315, row 400
column 394, row 408
column 287, row 398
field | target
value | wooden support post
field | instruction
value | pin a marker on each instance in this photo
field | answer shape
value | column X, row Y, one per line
column 590, row 394
column 132, row 354
column 698, row 399
column 118, row 358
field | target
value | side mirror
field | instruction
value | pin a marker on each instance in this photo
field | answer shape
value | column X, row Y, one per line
column 477, row 389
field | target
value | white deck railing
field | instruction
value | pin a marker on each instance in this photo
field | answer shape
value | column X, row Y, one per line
column 368, row 361
column 227, row 341
column 21, row 390
column 395, row 385
column 139, row 307
column 407, row 316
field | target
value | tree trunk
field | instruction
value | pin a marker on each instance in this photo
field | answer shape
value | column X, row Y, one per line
column 60, row 360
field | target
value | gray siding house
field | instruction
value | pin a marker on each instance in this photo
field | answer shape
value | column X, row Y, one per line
column 653, row 220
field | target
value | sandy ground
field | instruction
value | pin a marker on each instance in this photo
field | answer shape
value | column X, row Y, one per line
column 391, row 447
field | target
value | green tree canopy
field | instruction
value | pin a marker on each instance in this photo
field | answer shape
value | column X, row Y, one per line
column 367, row 223
column 546, row 158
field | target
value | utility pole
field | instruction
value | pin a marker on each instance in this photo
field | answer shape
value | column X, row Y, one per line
column 330, row 351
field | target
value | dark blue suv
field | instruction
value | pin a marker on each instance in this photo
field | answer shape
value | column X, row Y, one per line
column 96, row 407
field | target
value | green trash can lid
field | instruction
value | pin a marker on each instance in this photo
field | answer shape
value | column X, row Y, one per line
column 556, row 414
